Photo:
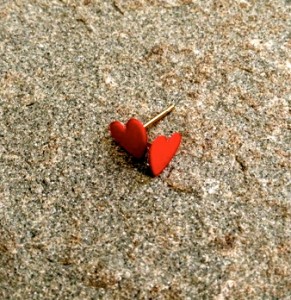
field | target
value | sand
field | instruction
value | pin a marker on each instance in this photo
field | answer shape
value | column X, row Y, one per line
column 82, row 219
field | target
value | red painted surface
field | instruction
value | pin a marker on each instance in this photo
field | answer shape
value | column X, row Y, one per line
column 132, row 136
column 162, row 151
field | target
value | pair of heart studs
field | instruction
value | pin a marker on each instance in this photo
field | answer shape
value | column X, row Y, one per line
column 134, row 139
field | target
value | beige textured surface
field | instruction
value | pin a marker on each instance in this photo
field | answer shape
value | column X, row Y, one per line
column 79, row 218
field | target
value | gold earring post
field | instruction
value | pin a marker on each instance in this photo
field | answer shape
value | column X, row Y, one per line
column 159, row 116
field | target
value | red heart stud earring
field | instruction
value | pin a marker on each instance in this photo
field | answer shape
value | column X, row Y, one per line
column 133, row 138
column 161, row 152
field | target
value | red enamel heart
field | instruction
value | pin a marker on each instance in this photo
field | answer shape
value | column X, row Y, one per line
column 162, row 151
column 132, row 136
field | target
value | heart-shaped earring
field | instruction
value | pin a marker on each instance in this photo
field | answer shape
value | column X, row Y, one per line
column 161, row 152
column 133, row 138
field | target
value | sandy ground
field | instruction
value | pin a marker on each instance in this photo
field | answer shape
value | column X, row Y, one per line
column 80, row 218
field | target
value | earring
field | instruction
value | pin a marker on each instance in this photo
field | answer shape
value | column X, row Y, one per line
column 133, row 138
column 161, row 152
